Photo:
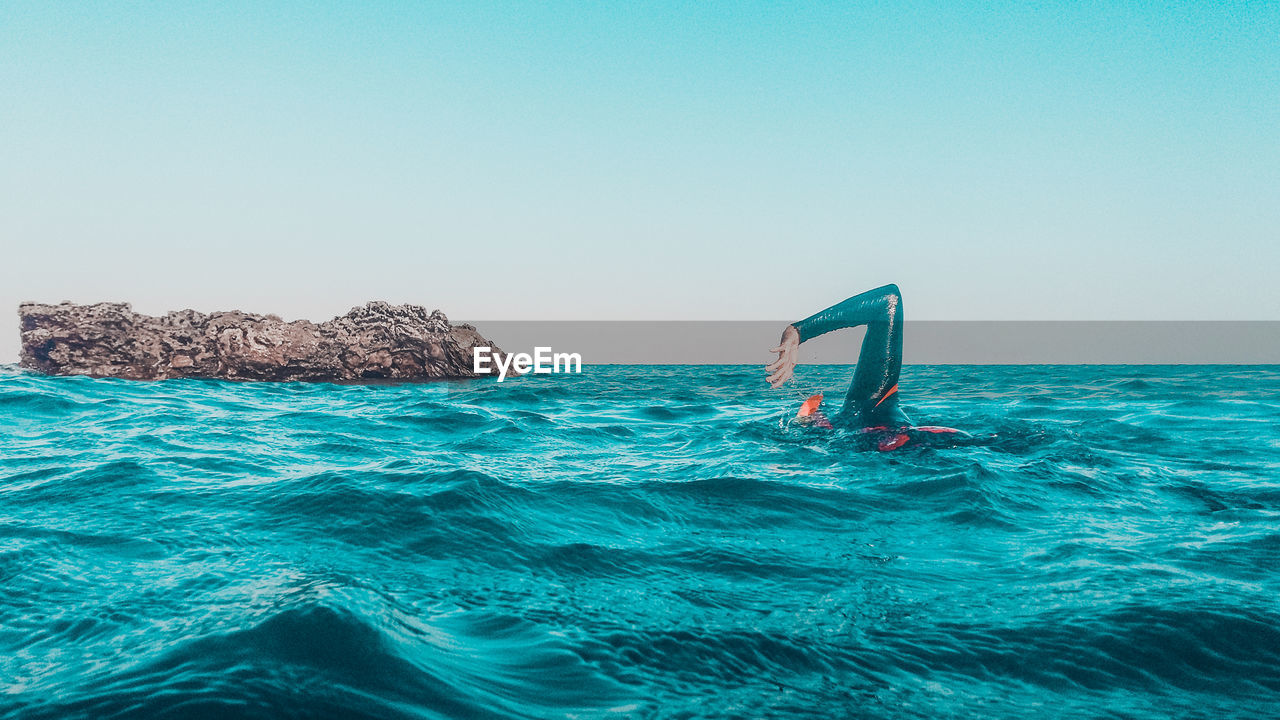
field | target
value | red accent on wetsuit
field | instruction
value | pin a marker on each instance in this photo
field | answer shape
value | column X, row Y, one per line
column 900, row 435
column 891, row 391
column 893, row 443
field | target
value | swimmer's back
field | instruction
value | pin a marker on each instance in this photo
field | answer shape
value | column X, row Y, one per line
column 884, row 438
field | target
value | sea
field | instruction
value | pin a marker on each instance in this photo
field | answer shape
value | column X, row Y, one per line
column 641, row 542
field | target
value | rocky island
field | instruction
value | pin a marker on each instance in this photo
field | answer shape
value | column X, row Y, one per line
column 378, row 341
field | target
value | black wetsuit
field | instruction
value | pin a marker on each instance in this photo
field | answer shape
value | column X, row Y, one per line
column 871, row 405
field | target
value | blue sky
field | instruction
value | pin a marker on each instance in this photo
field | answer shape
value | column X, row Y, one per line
column 643, row 160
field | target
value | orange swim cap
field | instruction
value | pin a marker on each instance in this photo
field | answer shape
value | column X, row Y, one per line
column 810, row 406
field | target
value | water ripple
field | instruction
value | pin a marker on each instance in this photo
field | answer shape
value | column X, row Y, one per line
column 640, row 542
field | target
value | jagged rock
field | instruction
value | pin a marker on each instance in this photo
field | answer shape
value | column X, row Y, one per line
column 377, row 341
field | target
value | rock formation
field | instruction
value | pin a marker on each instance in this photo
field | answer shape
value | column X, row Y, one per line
column 377, row 341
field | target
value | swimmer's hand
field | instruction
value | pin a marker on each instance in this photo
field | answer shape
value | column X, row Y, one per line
column 788, row 352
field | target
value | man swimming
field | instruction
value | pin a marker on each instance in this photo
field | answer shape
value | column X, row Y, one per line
column 871, row 405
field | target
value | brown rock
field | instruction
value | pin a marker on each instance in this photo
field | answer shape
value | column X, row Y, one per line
column 376, row 341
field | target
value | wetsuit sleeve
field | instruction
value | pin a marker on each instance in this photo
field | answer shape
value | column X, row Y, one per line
column 868, row 307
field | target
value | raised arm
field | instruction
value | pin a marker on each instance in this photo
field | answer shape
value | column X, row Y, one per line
column 882, row 306
column 879, row 305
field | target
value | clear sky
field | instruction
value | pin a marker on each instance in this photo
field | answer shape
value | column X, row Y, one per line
column 642, row 160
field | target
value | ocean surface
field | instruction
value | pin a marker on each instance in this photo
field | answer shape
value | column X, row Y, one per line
column 649, row 542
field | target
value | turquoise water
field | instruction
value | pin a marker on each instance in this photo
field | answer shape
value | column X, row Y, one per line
column 640, row 542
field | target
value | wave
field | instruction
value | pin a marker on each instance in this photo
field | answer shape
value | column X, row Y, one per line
column 639, row 542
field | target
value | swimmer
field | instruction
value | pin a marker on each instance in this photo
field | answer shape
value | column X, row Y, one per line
column 871, row 405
